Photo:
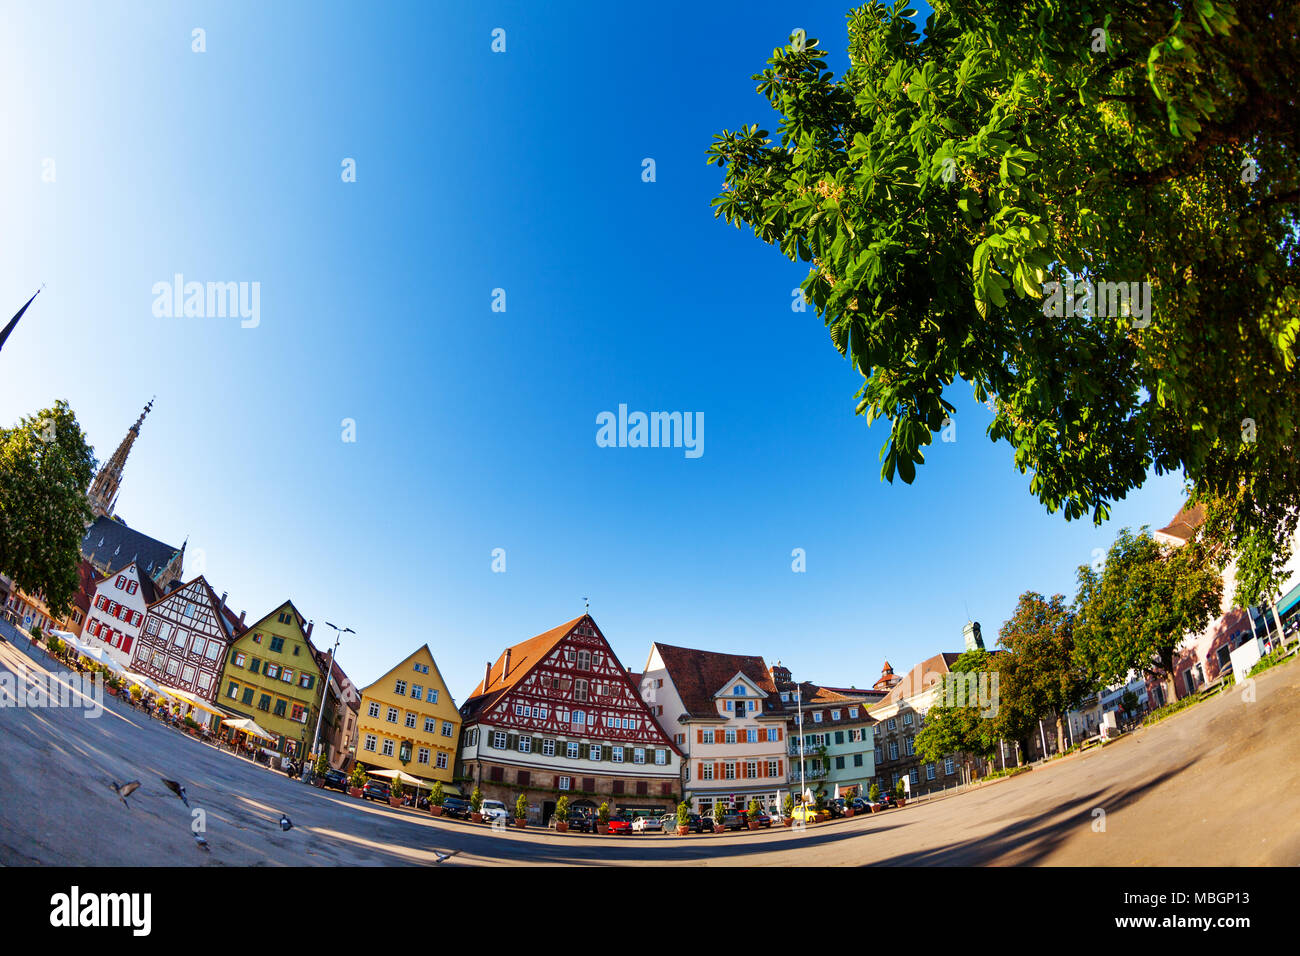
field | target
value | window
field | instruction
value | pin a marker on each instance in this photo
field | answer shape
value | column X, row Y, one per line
column 429, row 725
column 421, row 668
column 299, row 713
column 911, row 747
column 392, row 715
column 751, row 769
column 498, row 740
column 730, row 735
column 277, row 644
column 132, row 587
column 595, row 755
column 616, row 754
column 264, row 702
column 431, row 695
column 410, row 720
column 525, row 745
column 579, row 717
column 272, row 670
column 584, row 660
column 580, row 690
column 839, row 763
column 417, row 691
column 296, row 648
column 751, row 735
column 853, row 713
column 738, row 690
column 947, row 766
column 254, row 664
column 893, row 750
column 287, row 675
column 548, row 748
column 706, row 771
column 771, row 768
column 839, row 736
column 374, row 709
column 400, row 687
column 213, row 650
column 178, row 638
column 423, row 755
column 729, row 771
column 248, row 696
column 449, row 729
column 441, row 762
column 907, row 720
column 929, row 771
column 835, row 715
column 571, row 750
column 708, row 737
column 388, row 747
column 911, row 775
column 563, row 783
column 817, row 716
column 281, row 705
column 857, row 760
column 892, row 723
column 307, row 681
column 240, row 658
column 232, row 691
column 638, row 755
column 173, row 666
column 121, row 582
column 370, row 742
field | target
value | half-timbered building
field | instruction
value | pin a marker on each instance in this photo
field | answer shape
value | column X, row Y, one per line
column 559, row 715
column 186, row 636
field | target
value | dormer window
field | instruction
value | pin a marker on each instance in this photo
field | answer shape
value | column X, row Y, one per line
column 835, row 715
column 817, row 716
column 738, row 690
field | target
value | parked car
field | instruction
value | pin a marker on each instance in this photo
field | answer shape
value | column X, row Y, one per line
column 835, row 808
column 805, row 812
column 581, row 820
column 620, row 823
column 887, row 801
column 457, row 807
column 335, row 780
column 732, row 820
column 668, row 823
column 647, row 825
column 862, row 805
column 493, row 809
column 764, row 818
column 376, row 790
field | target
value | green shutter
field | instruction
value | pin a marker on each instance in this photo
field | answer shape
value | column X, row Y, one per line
column 512, row 741
column 584, row 751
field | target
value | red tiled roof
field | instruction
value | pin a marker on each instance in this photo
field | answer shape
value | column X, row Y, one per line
column 523, row 656
column 700, row 675
column 921, row 677
column 1185, row 523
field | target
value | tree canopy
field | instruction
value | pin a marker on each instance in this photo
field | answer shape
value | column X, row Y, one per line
column 45, row 468
column 943, row 183
column 959, row 726
column 1040, row 677
column 1134, row 612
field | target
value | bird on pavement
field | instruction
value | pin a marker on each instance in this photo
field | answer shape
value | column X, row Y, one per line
column 202, row 844
column 285, row 823
column 126, row 790
column 176, row 788
column 442, row 857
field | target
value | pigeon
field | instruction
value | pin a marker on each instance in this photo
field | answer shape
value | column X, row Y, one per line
column 176, row 788
column 202, row 844
column 126, row 790
column 443, row 857
column 285, row 823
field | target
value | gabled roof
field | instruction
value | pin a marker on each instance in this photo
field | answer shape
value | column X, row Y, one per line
column 921, row 677
column 523, row 657
column 227, row 618
column 86, row 586
column 110, row 543
column 149, row 592
column 1185, row 523
column 699, row 675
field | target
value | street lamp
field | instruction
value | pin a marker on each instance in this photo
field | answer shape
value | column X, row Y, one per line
column 325, row 691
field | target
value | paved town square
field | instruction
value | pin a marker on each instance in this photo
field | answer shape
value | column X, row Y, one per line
column 1215, row 786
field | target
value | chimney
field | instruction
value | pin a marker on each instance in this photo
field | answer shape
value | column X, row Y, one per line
column 972, row 634
column 487, row 676
column 505, row 671
column 224, row 595
column 310, row 624
column 241, row 618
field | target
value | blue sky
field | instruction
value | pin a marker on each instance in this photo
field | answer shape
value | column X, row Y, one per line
column 476, row 429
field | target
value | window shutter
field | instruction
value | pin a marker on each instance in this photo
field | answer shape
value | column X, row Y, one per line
column 780, row 768
column 699, row 736
column 717, row 770
column 584, row 751
column 512, row 741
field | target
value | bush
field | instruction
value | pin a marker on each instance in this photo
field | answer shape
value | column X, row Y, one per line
column 899, row 792
column 788, row 806
column 476, row 800
column 437, row 798
column 602, row 813
column 396, row 788
column 521, row 807
column 322, row 764
column 683, row 814
column 719, row 811
column 358, row 776
column 562, row 810
column 753, row 810
column 874, row 793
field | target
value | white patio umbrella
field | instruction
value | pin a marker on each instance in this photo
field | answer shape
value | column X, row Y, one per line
column 100, row 656
column 248, row 726
column 404, row 777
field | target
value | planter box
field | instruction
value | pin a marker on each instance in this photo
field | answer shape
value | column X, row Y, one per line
column 318, row 783
column 521, row 823
column 436, row 811
column 561, row 826
column 602, row 827
column 787, row 821
column 476, row 817
column 849, row 811
column 683, row 831
column 821, row 817
column 752, row 824
column 394, row 801
column 354, row 791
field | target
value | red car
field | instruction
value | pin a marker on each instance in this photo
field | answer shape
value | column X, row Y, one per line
column 620, row 823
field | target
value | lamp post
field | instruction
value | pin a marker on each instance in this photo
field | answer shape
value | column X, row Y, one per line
column 325, row 693
column 803, row 784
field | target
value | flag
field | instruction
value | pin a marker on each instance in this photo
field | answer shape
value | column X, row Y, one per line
column 4, row 333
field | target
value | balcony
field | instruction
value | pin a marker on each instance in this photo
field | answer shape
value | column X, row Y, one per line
column 808, row 774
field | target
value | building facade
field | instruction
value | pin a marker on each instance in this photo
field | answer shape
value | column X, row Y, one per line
column 409, row 722
column 187, row 634
column 117, row 612
column 726, row 714
column 558, row 715
column 832, row 752
column 274, row 675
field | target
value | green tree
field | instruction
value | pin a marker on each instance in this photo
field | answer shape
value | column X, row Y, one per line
column 521, row 807
column 1040, row 676
column 940, row 185
column 46, row 466
column 960, row 725
column 1135, row 611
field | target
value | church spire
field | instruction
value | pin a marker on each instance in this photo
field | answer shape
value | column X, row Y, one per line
column 103, row 490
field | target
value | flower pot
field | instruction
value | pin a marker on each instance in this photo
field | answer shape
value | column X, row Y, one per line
column 849, row 811
column 112, row 690
column 318, row 783
column 521, row 823
column 787, row 821
column 354, row 791
column 394, row 801
column 752, row 824
column 902, row 803
column 475, row 817
column 821, row 817
column 602, row 827
column 561, row 826
column 436, row 811
column 683, row 831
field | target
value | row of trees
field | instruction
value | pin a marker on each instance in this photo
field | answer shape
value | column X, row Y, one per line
column 1128, row 615
column 46, row 466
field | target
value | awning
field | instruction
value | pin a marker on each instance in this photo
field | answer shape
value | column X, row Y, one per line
column 399, row 775
column 1288, row 601
column 195, row 701
column 249, row 727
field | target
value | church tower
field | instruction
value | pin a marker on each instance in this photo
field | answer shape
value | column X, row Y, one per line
column 103, row 490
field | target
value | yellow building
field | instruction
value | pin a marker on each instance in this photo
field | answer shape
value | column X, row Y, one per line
column 410, row 722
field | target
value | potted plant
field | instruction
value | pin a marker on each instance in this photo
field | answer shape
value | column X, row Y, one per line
column 521, row 811
column 562, row 815
column 602, row 818
column 848, row 803
column 476, row 806
column 683, row 819
column 752, row 812
column 356, row 780
column 719, row 813
column 436, row 799
column 396, row 792
column 900, row 794
column 318, row 769
column 874, row 796
column 787, row 811
column 822, row 814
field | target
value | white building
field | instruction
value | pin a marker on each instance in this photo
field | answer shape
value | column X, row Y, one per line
column 117, row 612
